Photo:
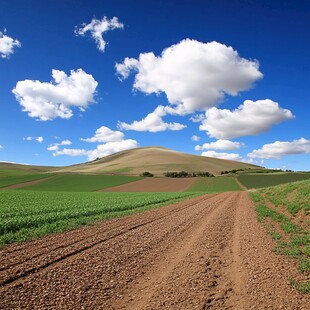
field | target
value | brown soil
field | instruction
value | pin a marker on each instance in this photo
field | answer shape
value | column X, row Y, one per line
column 208, row 252
column 154, row 185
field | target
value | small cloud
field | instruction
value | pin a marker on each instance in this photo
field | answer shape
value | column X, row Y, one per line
column 55, row 146
column 1, row 147
column 97, row 28
column 197, row 118
column 195, row 76
column 153, row 122
column 7, row 45
column 250, row 118
column 279, row 148
column 227, row 156
column 47, row 101
column 224, row 145
column 105, row 134
column 38, row 139
column 195, row 138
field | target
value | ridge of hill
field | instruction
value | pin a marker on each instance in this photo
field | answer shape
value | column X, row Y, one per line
column 156, row 160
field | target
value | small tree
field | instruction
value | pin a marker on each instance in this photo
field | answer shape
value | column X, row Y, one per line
column 146, row 174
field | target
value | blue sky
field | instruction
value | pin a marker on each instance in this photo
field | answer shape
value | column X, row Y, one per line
column 83, row 79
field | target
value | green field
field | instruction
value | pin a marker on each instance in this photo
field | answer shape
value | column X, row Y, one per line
column 283, row 210
column 214, row 185
column 12, row 177
column 28, row 214
column 80, row 183
column 266, row 180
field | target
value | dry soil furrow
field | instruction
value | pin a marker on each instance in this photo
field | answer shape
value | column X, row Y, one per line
column 160, row 288
column 71, row 242
column 19, row 272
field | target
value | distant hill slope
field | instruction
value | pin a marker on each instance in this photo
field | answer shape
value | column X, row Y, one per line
column 156, row 160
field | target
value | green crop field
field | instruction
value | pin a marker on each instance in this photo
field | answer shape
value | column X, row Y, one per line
column 266, row 180
column 284, row 210
column 28, row 214
column 80, row 183
column 214, row 185
column 8, row 178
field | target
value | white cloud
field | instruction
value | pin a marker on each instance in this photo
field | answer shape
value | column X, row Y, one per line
column 220, row 145
column 193, row 75
column 114, row 142
column 228, row 156
column 153, row 122
column 105, row 134
column 7, row 45
column 278, row 149
column 101, row 150
column 195, row 138
column 97, row 28
column 46, row 101
column 55, row 146
column 197, row 118
column 1, row 147
column 251, row 118
column 38, row 139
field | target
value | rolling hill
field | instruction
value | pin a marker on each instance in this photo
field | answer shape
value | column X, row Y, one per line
column 156, row 160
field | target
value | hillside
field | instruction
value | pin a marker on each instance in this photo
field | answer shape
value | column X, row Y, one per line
column 156, row 160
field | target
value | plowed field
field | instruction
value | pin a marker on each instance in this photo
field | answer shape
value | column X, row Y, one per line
column 154, row 185
column 207, row 252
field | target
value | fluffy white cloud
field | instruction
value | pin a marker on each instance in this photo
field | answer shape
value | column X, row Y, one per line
column 55, row 146
column 97, row 28
column 220, row 145
column 101, row 150
column 1, row 147
column 228, row 156
column 279, row 149
column 251, row 118
column 47, row 101
column 38, row 139
column 7, row 45
column 105, row 134
column 195, row 138
column 193, row 75
column 153, row 122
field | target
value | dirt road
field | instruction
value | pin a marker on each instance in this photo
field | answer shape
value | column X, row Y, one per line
column 204, row 253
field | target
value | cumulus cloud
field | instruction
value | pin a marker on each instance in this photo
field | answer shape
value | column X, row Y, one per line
column 193, row 75
column 280, row 148
column 38, row 139
column 228, row 156
column 105, row 134
column 55, row 146
column 7, row 45
column 97, row 28
column 47, row 101
column 153, row 122
column 220, row 145
column 195, row 138
column 250, row 118
column 113, row 142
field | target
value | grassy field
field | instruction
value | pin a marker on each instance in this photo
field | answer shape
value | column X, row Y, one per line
column 28, row 214
column 214, row 185
column 266, row 180
column 80, row 183
column 11, row 177
column 283, row 211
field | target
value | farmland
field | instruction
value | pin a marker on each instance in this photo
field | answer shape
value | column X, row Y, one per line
column 284, row 211
column 266, row 180
column 11, row 177
column 214, row 185
column 29, row 214
column 81, row 183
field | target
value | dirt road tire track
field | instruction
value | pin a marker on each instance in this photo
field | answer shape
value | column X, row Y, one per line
column 205, row 253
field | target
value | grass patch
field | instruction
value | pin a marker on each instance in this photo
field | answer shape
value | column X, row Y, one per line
column 81, row 183
column 214, row 185
column 26, row 215
column 7, row 179
column 266, row 180
column 303, row 287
